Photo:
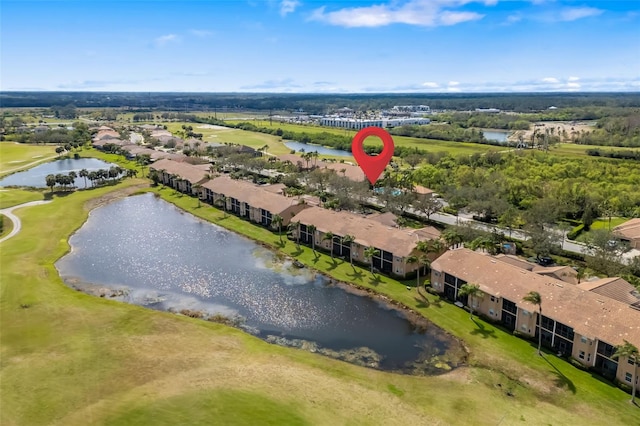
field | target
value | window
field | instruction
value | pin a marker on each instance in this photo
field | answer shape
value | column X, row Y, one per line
column 627, row 377
column 491, row 312
column 583, row 339
column 588, row 357
column 493, row 299
column 525, row 313
column 630, row 361
column 524, row 327
column 581, row 355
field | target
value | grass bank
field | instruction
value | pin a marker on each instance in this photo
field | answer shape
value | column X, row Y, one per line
column 69, row 358
column 493, row 350
column 15, row 156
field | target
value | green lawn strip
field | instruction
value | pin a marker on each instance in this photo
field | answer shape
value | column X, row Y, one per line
column 15, row 156
column 491, row 347
column 228, row 407
column 12, row 197
column 69, row 358
column 603, row 223
column 7, row 225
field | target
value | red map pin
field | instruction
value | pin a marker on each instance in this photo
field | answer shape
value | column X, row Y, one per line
column 372, row 165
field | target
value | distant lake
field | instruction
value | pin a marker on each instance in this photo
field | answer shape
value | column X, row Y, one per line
column 36, row 176
column 166, row 259
column 496, row 135
column 299, row 146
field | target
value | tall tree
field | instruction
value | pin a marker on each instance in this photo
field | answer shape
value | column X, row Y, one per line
column 276, row 220
column 630, row 352
column 311, row 229
column 534, row 298
column 83, row 174
column 415, row 259
column 51, row 181
column 369, row 252
column 295, row 227
column 472, row 291
column 348, row 239
column 328, row 236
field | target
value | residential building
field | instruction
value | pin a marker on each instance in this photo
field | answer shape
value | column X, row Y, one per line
column 629, row 232
column 395, row 245
column 180, row 175
column 255, row 203
column 575, row 322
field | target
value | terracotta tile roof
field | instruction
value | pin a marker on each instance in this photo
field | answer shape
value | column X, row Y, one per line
column 516, row 261
column 629, row 230
column 193, row 174
column 257, row 196
column 563, row 273
column 590, row 314
column 354, row 173
column 367, row 232
column 421, row 190
column 614, row 288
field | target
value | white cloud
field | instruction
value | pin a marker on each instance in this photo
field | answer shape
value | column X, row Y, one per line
column 454, row 83
column 288, row 6
column 512, row 19
column 575, row 13
column 573, row 85
column 428, row 13
column 550, row 80
column 163, row 40
column 430, row 84
column 201, row 33
column 573, row 78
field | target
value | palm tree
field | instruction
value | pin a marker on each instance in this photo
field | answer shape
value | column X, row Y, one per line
column 222, row 201
column 311, row 229
column 414, row 259
column 72, row 177
column 534, row 298
column 276, row 220
column 631, row 353
column 370, row 252
column 295, row 227
column 197, row 188
column 328, row 236
column 348, row 239
column 472, row 291
column 83, row 174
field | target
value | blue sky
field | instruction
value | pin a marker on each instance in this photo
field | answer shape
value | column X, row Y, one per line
column 326, row 46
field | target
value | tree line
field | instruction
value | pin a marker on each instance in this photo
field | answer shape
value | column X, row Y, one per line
column 96, row 177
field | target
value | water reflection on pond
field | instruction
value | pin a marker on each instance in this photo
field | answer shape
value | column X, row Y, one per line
column 167, row 259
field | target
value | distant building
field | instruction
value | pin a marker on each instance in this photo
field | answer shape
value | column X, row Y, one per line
column 357, row 124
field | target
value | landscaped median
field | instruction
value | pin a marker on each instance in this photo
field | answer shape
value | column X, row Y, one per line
column 69, row 358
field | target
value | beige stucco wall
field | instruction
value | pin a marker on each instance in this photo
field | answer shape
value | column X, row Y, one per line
column 587, row 346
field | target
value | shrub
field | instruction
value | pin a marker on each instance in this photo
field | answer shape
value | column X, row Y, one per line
column 575, row 232
column 579, row 365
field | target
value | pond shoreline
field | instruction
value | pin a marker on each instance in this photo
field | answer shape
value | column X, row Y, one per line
column 419, row 322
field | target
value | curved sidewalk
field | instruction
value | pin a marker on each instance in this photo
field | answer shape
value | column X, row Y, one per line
column 17, row 224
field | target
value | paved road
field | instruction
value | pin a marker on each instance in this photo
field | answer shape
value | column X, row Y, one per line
column 17, row 224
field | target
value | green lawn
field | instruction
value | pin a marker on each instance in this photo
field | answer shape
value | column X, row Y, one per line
column 12, row 197
column 69, row 358
column 7, row 225
column 603, row 223
column 575, row 150
column 14, row 156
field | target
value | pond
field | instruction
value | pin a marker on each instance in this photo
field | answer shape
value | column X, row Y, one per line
column 145, row 251
column 299, row 147
column 36, row 176
column 496, row 135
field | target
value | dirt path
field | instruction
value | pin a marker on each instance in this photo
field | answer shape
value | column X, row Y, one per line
column 17, row 224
